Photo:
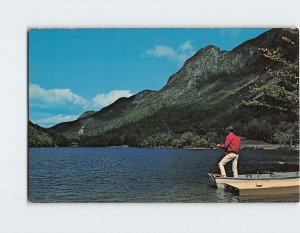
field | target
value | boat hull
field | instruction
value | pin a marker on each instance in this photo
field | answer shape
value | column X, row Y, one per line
column 219, row 182
column 265, row 188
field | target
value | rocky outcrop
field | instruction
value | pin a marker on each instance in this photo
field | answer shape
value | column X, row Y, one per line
column 86, row 114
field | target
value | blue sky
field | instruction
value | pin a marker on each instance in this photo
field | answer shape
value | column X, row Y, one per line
column 75, row 70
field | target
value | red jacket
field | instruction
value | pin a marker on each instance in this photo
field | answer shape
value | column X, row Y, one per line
column 232, row 143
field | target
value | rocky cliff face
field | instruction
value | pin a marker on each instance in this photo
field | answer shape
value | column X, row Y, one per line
column 208, row 63
column 244, row 64
column 206, row 92
column 86, row 114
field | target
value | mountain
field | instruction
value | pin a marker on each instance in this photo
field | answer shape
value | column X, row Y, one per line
column 198, row 101
column 86, row 114
column 106, row 118
column 41, row 137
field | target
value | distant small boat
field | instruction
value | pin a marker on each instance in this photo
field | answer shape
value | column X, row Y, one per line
column 74, row 144
column 217, row 181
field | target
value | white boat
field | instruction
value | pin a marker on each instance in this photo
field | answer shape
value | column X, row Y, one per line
column 217, row 181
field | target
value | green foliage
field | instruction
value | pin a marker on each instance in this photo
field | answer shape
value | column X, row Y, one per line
column 212, row 139
column 280, row 91
column 158, row 140
column 40, row 137
column 185, row 140
column 260, row 129
column 287, row 134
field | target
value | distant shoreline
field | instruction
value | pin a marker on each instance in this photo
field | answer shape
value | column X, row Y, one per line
column 264, row 146
column 267, row 146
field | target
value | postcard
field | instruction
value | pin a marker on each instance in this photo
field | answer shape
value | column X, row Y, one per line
column 161, row 115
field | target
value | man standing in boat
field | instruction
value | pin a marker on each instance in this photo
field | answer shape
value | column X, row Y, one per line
column 232, row 148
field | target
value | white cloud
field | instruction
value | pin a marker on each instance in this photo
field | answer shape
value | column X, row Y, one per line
column 53, row 120
column 183, row 52
column 65, row 102
column 40, row 96
column 161, row 51
column 186, row 46
column 104, row 99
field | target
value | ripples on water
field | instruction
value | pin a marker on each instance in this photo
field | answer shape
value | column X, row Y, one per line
column 139, row 175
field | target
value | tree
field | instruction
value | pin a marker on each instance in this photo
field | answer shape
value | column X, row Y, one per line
column 286, row 134
column 122, row 139
column 280, row 89
column 177, row 143
column 199, row 142
column 259, row 129
column 187, row 138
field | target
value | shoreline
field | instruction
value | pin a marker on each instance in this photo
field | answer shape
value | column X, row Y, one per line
column 243, row 147
column 267, row 147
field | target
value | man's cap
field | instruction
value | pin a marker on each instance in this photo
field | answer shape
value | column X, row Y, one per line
column 230, row 128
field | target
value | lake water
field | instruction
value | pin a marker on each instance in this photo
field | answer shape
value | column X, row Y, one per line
column 140, row 175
